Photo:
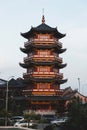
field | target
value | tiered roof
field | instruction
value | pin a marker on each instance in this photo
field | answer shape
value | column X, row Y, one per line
column 54, row 46
column 43, row 28
column 44, row 80
column 32, row 63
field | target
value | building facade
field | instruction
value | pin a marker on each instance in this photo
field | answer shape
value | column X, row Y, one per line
column 43, row 63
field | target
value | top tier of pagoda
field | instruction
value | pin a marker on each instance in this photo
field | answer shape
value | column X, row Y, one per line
column 43, row 28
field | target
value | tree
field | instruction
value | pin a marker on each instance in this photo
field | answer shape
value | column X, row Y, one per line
column 78, row 115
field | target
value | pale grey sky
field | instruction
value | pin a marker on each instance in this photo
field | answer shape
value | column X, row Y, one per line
column 70, row 17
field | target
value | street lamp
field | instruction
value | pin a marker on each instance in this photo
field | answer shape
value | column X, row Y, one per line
column 79, row 84
column 6, row 107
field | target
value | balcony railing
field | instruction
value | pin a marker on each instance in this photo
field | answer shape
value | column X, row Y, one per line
column 44, row 40
column 43, row 74
column 46, row 90
column 40, row 90
column 43, row 57
column 40, row 41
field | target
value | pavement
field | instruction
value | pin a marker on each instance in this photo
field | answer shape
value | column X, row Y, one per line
column 14, row 128
column 40, row 127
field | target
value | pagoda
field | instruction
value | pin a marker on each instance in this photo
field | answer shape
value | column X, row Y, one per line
column 43, row 64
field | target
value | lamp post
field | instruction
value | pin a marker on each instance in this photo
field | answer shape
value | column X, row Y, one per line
column 6, row 107
column 79, row 84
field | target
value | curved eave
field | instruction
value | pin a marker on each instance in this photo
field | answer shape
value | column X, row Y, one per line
column 26, row 65
column 61, row 81
column 46, row 98
column 58, row 34
column 55, row 63
column 44, row 80
column 24, row 50
column 28, row 34
column 60, row 65
column 60, row 50
column 23, row 65
column 48, row 47
column 42, row 28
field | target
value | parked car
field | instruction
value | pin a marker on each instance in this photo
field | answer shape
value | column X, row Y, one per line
column 60, row 121
column 25, row 123
column 15, row 119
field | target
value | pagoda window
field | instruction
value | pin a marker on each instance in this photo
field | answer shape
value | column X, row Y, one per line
column 43, row 37
column 44, row 69
column 43, row 85
column 43, row 53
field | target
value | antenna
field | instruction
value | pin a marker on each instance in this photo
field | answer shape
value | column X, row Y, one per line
column 43, row 11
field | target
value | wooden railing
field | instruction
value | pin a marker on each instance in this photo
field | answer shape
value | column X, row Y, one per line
column 39, row 90
column 40, row 41
column 42, row 57
column 43, row 74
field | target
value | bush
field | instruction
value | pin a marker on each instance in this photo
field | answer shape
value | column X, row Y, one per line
column 32, row 116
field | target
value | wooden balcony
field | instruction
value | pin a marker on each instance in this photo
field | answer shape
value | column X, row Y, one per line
column 43, row 58
column 43, row 74
column 40, row 90
column 46, row 92
column 42, row 41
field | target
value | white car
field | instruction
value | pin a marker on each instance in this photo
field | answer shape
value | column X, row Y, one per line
column 60, row 121
column 25, row 123
column 15, row 119
column 22, row 123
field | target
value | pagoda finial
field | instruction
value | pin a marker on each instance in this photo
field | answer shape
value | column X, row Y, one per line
column 43, row 18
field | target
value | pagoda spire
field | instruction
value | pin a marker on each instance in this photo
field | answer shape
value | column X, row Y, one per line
column 43, row 19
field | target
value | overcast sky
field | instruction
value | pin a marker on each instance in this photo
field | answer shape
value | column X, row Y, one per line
column 70, row 17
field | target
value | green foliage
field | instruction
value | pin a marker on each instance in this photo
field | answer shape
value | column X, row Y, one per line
column 43, row 121
column 78, row 114
column 32, row 116
column 2, row 113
